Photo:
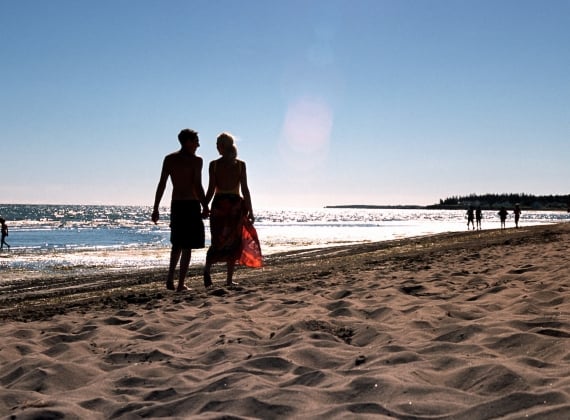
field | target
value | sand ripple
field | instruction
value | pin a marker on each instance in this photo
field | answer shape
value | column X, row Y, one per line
column 464, row 326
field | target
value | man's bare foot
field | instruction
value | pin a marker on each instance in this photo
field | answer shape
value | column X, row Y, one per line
column 170, row 285
column 182, row 288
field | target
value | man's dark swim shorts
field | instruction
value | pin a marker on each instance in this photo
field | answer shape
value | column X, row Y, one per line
column 186, row 225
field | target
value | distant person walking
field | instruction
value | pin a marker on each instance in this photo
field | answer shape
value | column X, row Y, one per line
column 184, row 169
column 478, row 217
column 517, row 213
column 503, row 215
column 4, row 234
column 230, row 212
column 470, row 217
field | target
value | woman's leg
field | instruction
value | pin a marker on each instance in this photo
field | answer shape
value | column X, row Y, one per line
column 231, row 266
column 207, row 268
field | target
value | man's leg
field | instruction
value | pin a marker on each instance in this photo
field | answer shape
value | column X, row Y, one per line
column 174, row 257
column 184, row 264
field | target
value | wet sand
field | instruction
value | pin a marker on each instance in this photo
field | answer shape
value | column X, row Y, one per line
column 472, row 325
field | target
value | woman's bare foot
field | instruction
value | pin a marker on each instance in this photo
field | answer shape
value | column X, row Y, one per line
column 207, row 280
column 182, row 288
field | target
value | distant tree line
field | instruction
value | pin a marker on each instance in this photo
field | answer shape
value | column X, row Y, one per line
column 495, row 201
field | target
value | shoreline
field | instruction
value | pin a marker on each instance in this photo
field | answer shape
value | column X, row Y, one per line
column 37, row 296
column 462, row 207
column 469, row 325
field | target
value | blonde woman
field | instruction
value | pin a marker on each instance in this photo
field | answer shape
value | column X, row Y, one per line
column 230, row 209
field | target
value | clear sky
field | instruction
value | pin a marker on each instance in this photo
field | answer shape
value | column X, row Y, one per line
column 332, row 101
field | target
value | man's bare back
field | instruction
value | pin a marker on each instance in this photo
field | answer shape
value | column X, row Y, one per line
column 184, row 170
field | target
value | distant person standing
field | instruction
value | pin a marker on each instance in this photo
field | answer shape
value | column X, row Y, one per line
column 184, row 169
column 503, row 215
column 4, row 234
column 478, row 217
column 470, row 217
column 517, row 213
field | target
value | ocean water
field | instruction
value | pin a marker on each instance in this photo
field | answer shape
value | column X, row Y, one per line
column 56, row 238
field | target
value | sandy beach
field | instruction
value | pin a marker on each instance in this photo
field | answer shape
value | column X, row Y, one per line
column 471, row 325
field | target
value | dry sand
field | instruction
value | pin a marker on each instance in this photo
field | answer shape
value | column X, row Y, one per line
column 455, row 326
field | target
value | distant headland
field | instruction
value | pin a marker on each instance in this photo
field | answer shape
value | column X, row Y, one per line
column 485, row 201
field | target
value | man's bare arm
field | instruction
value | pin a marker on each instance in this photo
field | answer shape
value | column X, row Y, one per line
column 160, row 191
column 199, row 189
column 211, row 183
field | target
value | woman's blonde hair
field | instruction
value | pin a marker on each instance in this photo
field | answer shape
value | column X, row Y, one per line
column 227, row 145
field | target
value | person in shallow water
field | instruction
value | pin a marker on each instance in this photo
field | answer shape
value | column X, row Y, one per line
column 184, row 168
column 517, row 212
column 470, row 217
column 228, row 176
column 503, row 213
column 4, row 234
column 478, row 217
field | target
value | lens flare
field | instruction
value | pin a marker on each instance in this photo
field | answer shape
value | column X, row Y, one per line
column 308, row 125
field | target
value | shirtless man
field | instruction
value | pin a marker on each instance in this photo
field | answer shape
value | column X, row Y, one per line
column 186, row 226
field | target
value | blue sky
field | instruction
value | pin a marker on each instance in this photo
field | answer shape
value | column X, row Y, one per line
column 332, row 101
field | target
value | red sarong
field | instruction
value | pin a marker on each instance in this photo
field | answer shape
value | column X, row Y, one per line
column 251, row 250
column 233, row 237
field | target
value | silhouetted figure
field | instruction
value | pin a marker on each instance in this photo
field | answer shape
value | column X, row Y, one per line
column 470, row 217
column 517, row 213
column 186, row 225
column 478, row 217
column 503, row 215
column 4, row 234
column 230, row 212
